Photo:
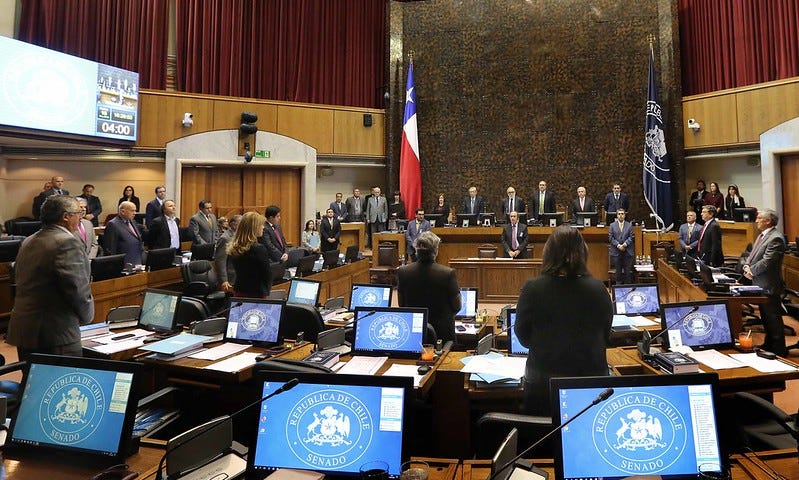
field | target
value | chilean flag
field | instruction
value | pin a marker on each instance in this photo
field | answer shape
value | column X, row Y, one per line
column 410, row 176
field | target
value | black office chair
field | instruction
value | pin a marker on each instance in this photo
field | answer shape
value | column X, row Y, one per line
column 10, row 389
column 191, row 310
column 430, row 335
column 493, row 427
column 764, row 426
column 123, row 314
column 201, row 282
column 300, row 317
column 202, row 252
column 9, row 247
column 295, row 255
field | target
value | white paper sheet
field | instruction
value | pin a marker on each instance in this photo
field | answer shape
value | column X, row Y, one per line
column 405, row 371
column 508, row 367
column 235, row 364
column 715, row 359
column 119, row 346
column 108, row 339
column 634, row 320
column 761, row 364
column 362, row 365
column 219, row 351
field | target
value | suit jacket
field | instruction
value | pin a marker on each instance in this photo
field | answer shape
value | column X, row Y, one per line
column 90, row 243
column 412, row 233
column 710, row 244
column 158, row 235
column 119, row 239
column 39, row 199
column 377, row 210
column 521, row 238
column 339, row 211
column 53, row 293
column 689, row 240
column 549, row 203
column 621, row 234
column 611, row 204
column 435, row 287
column 224, row 265
column 253, row 271
column 269, row 239
column 696, row 201
column 202, row 231
column 52, row 191
column 479, row 204
column 588, row 205
column 765, row 262
column 94, row 207
column 152, row 211
column 518, row 205
column 351, row 204
column 329, row 231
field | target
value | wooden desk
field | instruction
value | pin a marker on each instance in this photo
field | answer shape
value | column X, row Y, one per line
column 55, row 466
column 481, row 469
column 497, row 280
column 338, row 281
column 790, row 271
column 351, row 234
column 393, row 237
column 126, row 290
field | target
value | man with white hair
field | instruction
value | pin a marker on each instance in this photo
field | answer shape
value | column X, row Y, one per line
column 122, row 235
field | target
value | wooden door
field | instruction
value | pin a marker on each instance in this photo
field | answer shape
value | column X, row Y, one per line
column 789, row 170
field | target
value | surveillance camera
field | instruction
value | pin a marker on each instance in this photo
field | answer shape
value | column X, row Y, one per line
column 247, row 153
column 693, row 124
column 187, row 119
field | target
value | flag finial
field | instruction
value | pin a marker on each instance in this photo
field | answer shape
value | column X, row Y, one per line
column 411, row 53
column 651, row 39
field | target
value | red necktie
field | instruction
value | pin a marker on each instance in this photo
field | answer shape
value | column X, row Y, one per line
column 278, row 235
column 133, row 229
column 699, row 245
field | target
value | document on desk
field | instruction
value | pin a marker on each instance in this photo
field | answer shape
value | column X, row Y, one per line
column 363, row 365
column 763, row 365
column 220, row 351
column 235, row 364
column 632, row 321
column 119, row 346
column 405, row 371
column 118, row 337
column 495, row 365
column 715, row 359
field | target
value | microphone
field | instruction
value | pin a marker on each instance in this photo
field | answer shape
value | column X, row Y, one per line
column 646, row 341
column 226, row 309
column 604, row 395
column 626, row 294
column 220, row 440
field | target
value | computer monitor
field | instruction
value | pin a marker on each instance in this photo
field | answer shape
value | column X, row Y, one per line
column 487, row 219
column 466, row 219
column 304, row 291
column 83, row 407
column 659, row 425
column 351, row 255
column 699, row 325
column 9, row 249
column 25, row 229
column 551, row 219
column 330, row 259
column 744, row 214
column 160, row 258
column 638, row 299
column 330, row 423
column 278, row 270
column 305, row 265
column 586, row 219
column 369, row 295
column 105, row 268
column 468, row 303
column 435, row 219
column 515, row 347
column 394, row 332
column 255, row 321
column 159, row 310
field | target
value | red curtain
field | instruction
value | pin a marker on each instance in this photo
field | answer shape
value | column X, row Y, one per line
column 129, row 34
column 727, row 44
column 314, row 51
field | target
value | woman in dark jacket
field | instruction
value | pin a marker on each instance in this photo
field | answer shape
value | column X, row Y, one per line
column 129, row 195
column 732, row 200
column 250, row 258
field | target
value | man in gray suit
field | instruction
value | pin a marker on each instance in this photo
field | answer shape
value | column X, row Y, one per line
column 53, row 293
column 622, row 247
column 376, row 213
column 224, row 267
column 355, row 207
column 203, row 225
column 764, row 268
column 85, row 231
column 689, row 234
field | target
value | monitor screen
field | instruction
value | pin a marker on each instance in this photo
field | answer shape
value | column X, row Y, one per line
column 160, row 258
column 515, row 347
column 366, row 295
column 395, row 332
column 159, row 310
column 468, row 303
column 330, row 259
column 487, row 219
column 352, row 254
column 551, row 219
column 587, row 219
column 658, row 425
column 699, row 325
column 435, row 219
column 331, row 423
column 305, row 265
column 466, row 219
column 304, row 291
column 107, row 267
column 745, row 214
column 77, row 405
column 636, row 299
column 255, row 321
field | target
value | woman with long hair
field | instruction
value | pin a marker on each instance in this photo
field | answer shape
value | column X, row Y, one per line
column 250, row 258
column 732, row 200
column 310, row 237
column 129, row 195
column 714, row 197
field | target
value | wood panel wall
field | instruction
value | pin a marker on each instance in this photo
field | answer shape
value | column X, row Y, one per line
column 789, row 170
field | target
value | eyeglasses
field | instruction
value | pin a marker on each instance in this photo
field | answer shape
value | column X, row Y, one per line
column 79, row 213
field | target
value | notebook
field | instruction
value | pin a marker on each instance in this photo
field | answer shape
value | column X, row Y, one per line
column 699, row 325
column 394, row 332
column 640, row 299
column 255, row 321
column 515, row 347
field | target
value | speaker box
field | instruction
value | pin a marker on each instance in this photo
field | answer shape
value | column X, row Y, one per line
column 367, row 119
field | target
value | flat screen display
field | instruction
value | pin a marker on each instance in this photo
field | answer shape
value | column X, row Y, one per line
column 52, row 91
column 652, row 425
column 468, row 303
column 699, row 325
column 159, row 310
column 636, row 299
column 304, row 291
column 330, row 423
column 396, row 332
column 255, row 321
column 366, row 295
column 515, row 347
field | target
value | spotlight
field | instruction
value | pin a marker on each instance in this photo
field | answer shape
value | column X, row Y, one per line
column 248, row 120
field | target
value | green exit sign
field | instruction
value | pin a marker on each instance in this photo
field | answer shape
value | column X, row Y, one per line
column 263, row 153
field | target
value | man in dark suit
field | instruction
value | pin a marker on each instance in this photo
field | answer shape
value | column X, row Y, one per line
column 273, row 238
column 330, row 231
column 710, row 239
column 93, row 206
column 430, row 285
column 512, row 203
column 514, row 238
column 164, row 230
column 764, row 268
column 339, row 207
column 615, row 200
column 473, row 203
column 415, row 228
column 53, row 293
column 697, row 199
column 57, row 188
column 39, row 199
column 689, row 234
column 356, row 207
column 153, row 209
column 622, row 247
column 582, row 203
column 85, row 231
column 224, row 266
column 203, row 224
column 122, row 235
column 543, row 201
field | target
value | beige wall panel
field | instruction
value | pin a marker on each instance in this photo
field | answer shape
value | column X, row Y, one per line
column 350, row 137
column 227, row 114
column 313, row 126
column 763, row 108
column 161, row 116
column 716, row 116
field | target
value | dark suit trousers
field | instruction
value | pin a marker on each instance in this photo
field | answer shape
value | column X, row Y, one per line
column 771, row 313
column 624, row 268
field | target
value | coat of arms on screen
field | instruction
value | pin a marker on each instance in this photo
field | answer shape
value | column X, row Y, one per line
column 389, row 332
column 253, row 320
column 72, row 408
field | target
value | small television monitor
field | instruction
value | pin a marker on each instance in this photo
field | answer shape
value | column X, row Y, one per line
column 639, row 299
column 351, row 255
column 394, row 332
column 331, row 423
column 663, row 425
column 26, row 229
column 370, row 295
column 159, row 310
column 79, row 406
column 468, row 304
column 160, row 258
column 255, row 321
column 699, row 325
column 551, row 219
column 586, row 219
column 435, row 219
column 466, row 219
column 9, row 249
column 745, row 214
column 304, row 291
column 330, row 259
column 515, row 347
column 105, row 268
column 487, row 219
column 305, row 265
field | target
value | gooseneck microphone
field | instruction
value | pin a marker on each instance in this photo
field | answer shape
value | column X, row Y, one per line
column 226, row 309
column 604, row 395
column 646, row 341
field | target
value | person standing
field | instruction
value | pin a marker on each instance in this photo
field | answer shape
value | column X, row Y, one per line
column 473, row 203
column 339, row 208
column 415, row 228
column 224, row 265
column 355, row 207
column 689, row 234
column 376, row 213
column 764, row 269
column 250, row 258
column 53, row 293
column 330, row 229
column 129, row 195
column 311, row 240
column 514, row 238
column 732, row 201
column 93, row 206
column 396, row 209
column 272, row 235
column 203, row 225
column 697, row 199
column 716, row 198
column 582, row 203
column 615, row 200
column 164, row 230
column 542, row 202
column 153, row 208
column 512, row 203
column 622, row 247
column 122, row 235
column 39, row 199
column 710, row 250
column 57, row 187
column 85, row 231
